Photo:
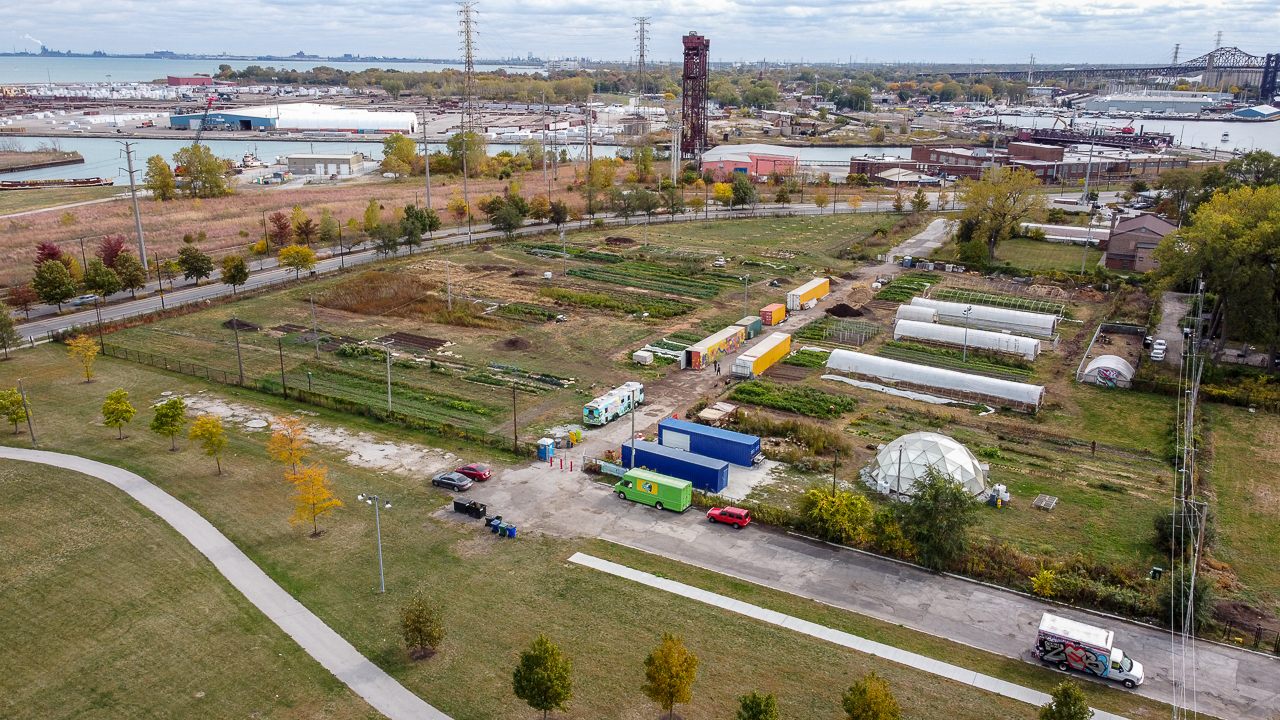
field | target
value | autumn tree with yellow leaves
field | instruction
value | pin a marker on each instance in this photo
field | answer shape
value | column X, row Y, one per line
column 84, row 351
column 312, row 496
column 207, row 430
column 288, row 442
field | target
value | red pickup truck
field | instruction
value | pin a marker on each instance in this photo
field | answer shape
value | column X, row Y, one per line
column 736, row 517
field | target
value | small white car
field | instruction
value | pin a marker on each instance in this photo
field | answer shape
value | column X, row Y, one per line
column 1160, row 345
column 1157, row 355
column 84, row 300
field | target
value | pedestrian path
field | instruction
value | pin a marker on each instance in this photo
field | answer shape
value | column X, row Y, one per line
column 328, row 648
column 870, row 647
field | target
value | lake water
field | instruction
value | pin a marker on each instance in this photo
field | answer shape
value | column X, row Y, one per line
column 22, row 69
column 103, row 157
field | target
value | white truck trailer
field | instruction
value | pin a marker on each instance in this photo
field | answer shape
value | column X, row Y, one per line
column 613, row 404
column 1069, row 644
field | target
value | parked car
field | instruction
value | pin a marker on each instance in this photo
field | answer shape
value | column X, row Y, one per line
column 452, row 480
column 1146, row 342
column 475, row 471
column 1157, row 355
column 736, row 517
column 85, row 300
column 1160, row 345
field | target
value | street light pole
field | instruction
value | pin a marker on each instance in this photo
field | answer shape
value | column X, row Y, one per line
column 374, row 500
column 965, row 356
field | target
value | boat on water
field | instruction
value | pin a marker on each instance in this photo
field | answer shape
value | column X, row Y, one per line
column 250, row 161
column 1226, row 137
column 41, row 184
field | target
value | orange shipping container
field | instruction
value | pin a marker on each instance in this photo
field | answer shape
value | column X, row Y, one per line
column 773, row 314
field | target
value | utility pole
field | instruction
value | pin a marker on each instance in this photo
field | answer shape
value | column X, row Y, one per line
column 1088, row 169
column 235, row 325
column 284, row 385
column 448, row 285
column 564, row 255
column 426, row 162
column 515, row 432
column 137, row 219
column 468, row 124
column 27, row 411
column 315, row 332
column 745, row 279
column 388, row 348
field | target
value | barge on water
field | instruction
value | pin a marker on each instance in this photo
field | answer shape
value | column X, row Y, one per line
column 43, row 184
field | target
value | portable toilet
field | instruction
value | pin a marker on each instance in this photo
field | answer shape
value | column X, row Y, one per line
column 546, row 448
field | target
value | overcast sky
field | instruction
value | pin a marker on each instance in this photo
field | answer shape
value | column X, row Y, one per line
column 1137, row 31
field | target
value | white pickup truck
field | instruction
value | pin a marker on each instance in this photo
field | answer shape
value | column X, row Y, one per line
column 1075, row 645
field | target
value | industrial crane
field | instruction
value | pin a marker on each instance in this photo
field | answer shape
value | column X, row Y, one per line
column 203, row 119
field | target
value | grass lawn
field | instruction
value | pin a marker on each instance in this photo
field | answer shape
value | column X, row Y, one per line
column 496, row 595
column 1245, row 477
column 1038, row 255
column 110, row 613
column 22, row 200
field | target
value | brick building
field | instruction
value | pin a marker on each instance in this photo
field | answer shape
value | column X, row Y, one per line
column 1132, row 241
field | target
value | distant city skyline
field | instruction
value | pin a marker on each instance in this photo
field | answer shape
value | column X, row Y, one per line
column 794, row 31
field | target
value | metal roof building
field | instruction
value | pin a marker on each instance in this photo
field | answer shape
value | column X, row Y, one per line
column 304, row 116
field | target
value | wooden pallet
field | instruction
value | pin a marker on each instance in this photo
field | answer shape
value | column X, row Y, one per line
column 1044, row 502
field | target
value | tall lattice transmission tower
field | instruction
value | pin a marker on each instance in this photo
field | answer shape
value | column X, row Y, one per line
column 470, row 118
column 642, row 39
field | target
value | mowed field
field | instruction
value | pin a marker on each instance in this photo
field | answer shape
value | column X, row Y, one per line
column 496, row 595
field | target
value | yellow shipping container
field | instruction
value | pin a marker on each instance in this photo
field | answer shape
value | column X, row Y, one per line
column 761, row 357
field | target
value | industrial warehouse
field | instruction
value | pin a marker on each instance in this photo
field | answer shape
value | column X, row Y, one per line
column 302, row 117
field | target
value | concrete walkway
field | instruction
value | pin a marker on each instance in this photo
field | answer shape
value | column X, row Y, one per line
column 333, row 652
column 854, row 642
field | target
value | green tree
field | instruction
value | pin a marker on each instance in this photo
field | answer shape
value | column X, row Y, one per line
column 205, row 174
column 133, row 277
column 100, row 279
column 476, row 147
column 159, row 179
column 673, row 201
column 1175, row 593
column 8, row 332
column 899, row 202
column 1067, row 703
column 421, row 625
column 329, row 227
column 399, row 154
column 53, row 283
column 235, row 271
column 171, row 415
column 297, row 258
column 644, row 163
column 392, row 88
column 194, row 264
column 937, row 519
column 919, row 203
column 744, row 193
column 647, row 202
column 757, row 707
column 372, row 216
column 782, row 197
column 508, row 219
column 559, row 213
column 117, row 411
column 1255, row 168
column 669, row 673
column 12, row 408
column 543, row 679
column 416, row 223
column 870, row 699
column 998, row 202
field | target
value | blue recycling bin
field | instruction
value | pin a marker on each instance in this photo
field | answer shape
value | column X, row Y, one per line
column 511, row 531
column 493, row 526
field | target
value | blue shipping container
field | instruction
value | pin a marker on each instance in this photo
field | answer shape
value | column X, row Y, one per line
column 735, row 447
column 706, row 474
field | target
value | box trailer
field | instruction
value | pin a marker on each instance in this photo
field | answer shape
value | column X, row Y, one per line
column 613, row 404
column 1074, row 645
column 651, row 488
column 707, row 474
column 768, row 351
column 706, row 351
column 752, row 323
column 734, row 447
column 810, row 292
column 773, row 314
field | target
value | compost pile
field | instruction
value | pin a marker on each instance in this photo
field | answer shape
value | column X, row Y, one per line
column 844, row 310
column 515, row 343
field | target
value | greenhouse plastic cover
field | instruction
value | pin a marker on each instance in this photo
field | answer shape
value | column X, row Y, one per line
column 901, row 463
column 886, row 369
column 918, row 313
column 996, row 318
column 1112, row 362
column 984, row 339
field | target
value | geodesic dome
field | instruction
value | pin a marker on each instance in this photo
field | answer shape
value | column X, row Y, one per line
column 900, row 463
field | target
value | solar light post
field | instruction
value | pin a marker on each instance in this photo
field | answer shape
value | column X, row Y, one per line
column 965, row 356
column 374, row 500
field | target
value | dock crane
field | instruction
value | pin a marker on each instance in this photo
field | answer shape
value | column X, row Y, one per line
column 203, row 120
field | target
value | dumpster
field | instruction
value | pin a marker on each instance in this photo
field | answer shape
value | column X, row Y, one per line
column 511, row 531
column 477, row 509
column 546, row 448
column 463, row 506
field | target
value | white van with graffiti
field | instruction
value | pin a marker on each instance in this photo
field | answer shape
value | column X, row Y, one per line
column 1074, row 645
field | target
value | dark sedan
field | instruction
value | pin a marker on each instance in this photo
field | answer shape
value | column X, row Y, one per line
column 452, row 480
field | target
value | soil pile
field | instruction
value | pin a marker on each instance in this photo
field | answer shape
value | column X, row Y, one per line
column 843, row 310
column 513, row 344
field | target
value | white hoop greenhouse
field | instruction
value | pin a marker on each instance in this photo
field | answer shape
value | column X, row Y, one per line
column 947, row 383
column 1027, row 347
column 917, row 313
column 900, row 464
column 991, row 318
column 1108, row 371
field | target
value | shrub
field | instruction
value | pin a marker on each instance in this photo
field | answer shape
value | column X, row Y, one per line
column 937, row 519
column 840, row 517
column 886, row 536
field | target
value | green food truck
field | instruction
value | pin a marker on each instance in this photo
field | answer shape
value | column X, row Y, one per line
column 651, row 488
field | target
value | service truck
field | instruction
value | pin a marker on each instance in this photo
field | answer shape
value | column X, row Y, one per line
column 651, row 488
column 1074, row 645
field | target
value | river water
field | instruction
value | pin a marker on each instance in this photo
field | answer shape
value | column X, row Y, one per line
column 24, row 69
column 103, row 157
column 1207, row 134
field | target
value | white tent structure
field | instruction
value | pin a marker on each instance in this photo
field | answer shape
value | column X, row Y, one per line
column 939, row 381
column 1027, row 347
column 917, row 313
column 898, row 465
column 984, row 317
column 1108, row 371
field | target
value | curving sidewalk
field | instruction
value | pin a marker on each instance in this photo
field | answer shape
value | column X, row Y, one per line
column 333, row 652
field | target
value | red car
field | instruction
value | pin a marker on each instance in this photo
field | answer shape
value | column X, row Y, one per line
column 475, row 471
column 736, row 517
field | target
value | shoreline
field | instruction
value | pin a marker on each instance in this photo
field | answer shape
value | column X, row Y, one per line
column 77, row 160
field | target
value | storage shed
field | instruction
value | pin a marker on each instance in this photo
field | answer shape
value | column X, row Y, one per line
column 735, row 447
column 900, row 464
column 939, row 381
column 1108, row 371
column 1027, row 347
column 917, row 313
column 707, row 474
column 984, row 317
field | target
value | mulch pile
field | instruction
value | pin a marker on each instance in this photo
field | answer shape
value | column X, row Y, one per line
column 843, row 310
column 515, row 343
column 619, row 241
column 240, row 325
column 522, row 273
